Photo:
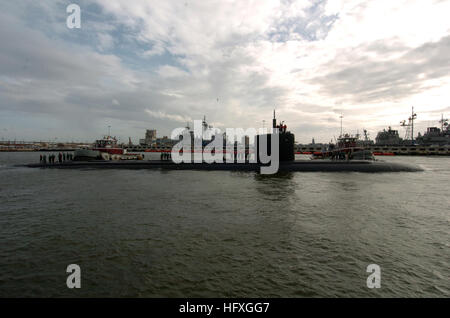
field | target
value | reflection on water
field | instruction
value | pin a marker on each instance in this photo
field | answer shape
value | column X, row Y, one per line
column 218, row 233
column 275, row 187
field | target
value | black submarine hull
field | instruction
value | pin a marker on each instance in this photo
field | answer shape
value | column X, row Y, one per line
column 300, row 165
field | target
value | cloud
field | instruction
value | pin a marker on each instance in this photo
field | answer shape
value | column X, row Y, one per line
column 171, row 71
column 146, row 64
column 157, row 49
column 162, row 115
column 106, row 41
column 370, row 80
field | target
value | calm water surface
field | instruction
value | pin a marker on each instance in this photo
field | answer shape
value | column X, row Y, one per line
column 146, row 233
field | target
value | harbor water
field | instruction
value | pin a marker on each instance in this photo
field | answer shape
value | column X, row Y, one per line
column 152, row 233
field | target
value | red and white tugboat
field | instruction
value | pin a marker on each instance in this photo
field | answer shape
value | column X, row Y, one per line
column 105, row 149
column 347, row 148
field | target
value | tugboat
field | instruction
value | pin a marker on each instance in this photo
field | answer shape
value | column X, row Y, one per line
column 104, row 149
column 347, row 148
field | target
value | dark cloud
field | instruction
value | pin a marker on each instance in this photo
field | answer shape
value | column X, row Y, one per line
column 79, row 81
column 69, row 82
column 363, row 79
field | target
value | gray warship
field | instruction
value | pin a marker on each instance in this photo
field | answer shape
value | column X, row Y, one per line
column 388, row 142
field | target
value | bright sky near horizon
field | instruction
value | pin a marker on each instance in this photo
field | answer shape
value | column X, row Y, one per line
column 136, row 65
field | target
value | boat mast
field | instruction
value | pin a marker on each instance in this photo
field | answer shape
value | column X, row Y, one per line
column 443, row 122
column 204, row 123
column 274, row 121
column 413, row 116
column 410, row 126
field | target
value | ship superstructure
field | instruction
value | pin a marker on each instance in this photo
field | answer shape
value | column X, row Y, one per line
column 435, row 135
column 435, row 141
column 388, row 137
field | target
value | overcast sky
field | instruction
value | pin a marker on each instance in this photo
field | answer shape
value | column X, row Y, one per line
column 138, row 64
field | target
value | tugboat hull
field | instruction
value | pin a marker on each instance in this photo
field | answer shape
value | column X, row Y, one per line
column 86, row 155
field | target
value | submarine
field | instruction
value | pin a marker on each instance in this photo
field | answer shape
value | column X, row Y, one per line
column 341, row 160
column 298, row 165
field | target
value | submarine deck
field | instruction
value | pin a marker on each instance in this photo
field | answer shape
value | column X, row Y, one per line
column 299, row 165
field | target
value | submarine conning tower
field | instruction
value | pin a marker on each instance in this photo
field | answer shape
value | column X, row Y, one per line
column 286, row 141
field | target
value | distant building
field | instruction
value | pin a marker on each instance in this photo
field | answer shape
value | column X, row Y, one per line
column 164, row 142
column 150, row 136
